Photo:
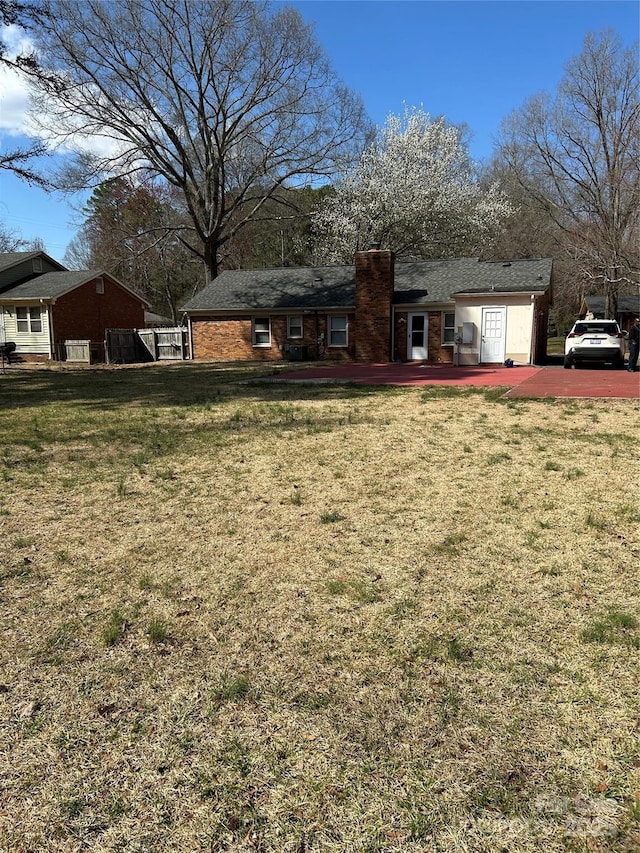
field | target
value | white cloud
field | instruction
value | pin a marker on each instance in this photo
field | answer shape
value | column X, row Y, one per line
column 16, row 41
column 14, row 88
column 16, row 118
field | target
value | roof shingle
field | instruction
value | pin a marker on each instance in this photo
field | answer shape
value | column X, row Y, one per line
column 334, row 286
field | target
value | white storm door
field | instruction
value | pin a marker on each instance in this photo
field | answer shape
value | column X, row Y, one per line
column 2, row 339
column 418, row 337
column 493, row 335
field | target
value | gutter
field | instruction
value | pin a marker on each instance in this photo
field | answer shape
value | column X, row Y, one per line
column 51, row 335
column 533, row 326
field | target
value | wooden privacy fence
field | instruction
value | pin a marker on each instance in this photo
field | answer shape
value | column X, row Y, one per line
column 128, row 346
column 77, row 351
column 165, row 344
column 82, row 351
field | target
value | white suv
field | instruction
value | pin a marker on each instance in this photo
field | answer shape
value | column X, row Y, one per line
column 594, row 340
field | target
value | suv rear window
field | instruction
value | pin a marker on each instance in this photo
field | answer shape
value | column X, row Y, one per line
column 590, row 327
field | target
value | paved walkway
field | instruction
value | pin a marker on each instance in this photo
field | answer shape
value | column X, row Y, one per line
column 524, row 381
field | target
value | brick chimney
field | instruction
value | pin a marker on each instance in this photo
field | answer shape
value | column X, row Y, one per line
column 374, row 296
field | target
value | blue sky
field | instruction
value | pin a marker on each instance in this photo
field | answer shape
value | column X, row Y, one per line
column 472, row 60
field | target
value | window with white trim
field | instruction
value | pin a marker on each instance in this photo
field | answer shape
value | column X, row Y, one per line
column 37, row 264
column 261, row 331
column 294, row 326
column 448, row 327
column 28, row 320
column 338, row 330
column 100, row 285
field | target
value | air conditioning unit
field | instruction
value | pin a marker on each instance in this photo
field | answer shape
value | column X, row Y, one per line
column 298, row 352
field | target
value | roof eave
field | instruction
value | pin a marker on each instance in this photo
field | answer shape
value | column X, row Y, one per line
column 497, row 292
column 284, row 309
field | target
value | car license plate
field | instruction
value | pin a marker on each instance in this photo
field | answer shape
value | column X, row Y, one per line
column 595, row 341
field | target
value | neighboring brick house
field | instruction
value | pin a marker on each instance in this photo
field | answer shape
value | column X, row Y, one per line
column 42, row 305
column 456, row 310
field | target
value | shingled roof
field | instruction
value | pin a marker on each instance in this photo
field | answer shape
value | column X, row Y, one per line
column 10, row 259
column 285, row 287
column 627, row 304
column 49, row 285
column 416, row 282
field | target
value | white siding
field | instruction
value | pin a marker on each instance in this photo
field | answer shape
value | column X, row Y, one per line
column 27, row 342
column 519, row 325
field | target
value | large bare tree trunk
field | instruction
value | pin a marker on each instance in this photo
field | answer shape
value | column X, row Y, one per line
column 226, row 100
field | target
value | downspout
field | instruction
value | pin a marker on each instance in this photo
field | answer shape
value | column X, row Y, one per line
column 51, row 335
column 533, row 327
column 393, row 335
column 190, row 328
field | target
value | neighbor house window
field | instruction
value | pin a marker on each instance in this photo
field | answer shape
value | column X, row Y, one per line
column 37, row 264
column 99, row 285
column 261, row 332
column 28, row 319
column 294, row 326
column 337, row 330
column 448, row 327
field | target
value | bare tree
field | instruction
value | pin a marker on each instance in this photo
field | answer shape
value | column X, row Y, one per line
column 11, row 240
column 19, row 160
column 226, row 100
column 578, row 159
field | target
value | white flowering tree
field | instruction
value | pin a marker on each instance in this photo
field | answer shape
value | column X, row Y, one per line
column 414, row 191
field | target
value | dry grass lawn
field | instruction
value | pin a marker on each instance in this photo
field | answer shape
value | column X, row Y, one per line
column 249, row 617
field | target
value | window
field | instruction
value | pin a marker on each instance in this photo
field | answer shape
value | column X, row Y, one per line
column 294, row 326
column 338, row 331
column 35, row 319
column 22, row 319
column 100, row 285
column 37, row 264
column 28, row 320
column 448, row 327
column 261, row 331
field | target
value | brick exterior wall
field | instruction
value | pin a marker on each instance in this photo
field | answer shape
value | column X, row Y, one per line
column 29, row 357
column 83, row 314
column 374, row 296
column 229, row 338
column 438, row 354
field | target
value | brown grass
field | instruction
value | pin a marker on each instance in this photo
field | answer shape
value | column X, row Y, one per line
column 248, row 617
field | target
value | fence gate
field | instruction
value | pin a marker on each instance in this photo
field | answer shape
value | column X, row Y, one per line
column 121, row 346
column 171, row 344
column 126, row 346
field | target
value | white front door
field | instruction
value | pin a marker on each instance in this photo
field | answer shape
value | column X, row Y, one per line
column 418, row 337
column 2, row 339
column 493, row 335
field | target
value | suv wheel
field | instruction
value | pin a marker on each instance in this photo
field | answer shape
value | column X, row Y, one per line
column 568, row 363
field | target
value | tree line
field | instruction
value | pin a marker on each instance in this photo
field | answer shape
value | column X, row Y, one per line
column 216, row 135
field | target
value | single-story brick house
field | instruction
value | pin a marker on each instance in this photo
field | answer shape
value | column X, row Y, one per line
column 43, row 304
column 462, row 310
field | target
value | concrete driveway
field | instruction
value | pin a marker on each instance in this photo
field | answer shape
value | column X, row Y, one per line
column 523, row 381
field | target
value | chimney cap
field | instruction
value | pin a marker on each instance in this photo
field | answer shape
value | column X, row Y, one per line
column 374, row 247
